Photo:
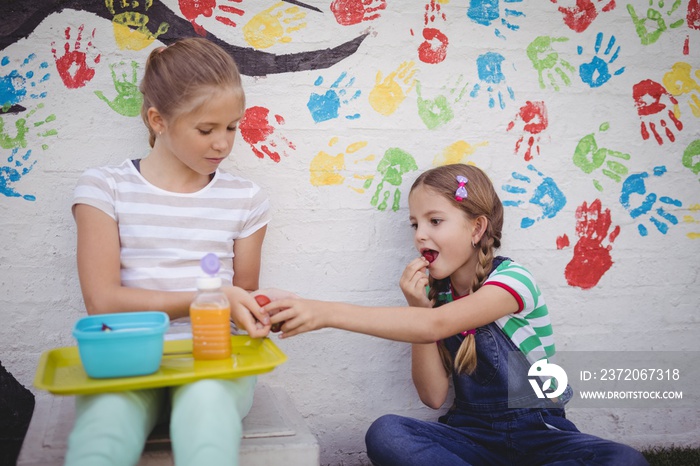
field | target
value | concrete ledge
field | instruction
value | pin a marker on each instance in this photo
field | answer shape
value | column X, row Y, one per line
column 274, row 433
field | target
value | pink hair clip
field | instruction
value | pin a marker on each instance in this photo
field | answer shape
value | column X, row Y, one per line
column 461, row 193
column 469, row 332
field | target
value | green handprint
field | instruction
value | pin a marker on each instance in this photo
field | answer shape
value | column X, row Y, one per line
column 438, row 111
column 392, row 167
column 9, row 142
column 22, row 128
column 691, row 157
column 545, row 60
column 655, row 17
column 589, row 157
column 129, row 99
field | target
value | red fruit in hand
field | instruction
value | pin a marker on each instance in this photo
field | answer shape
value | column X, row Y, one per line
column 263, row 300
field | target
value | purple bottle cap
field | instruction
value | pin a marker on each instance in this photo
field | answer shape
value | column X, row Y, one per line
column 210, row 264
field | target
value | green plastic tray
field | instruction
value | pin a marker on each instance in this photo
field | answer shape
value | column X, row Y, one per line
column 61, row 372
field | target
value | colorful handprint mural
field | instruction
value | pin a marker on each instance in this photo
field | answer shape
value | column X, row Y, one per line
column 526, row 81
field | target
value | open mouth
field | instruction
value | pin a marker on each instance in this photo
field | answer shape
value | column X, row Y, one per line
column 430, row 255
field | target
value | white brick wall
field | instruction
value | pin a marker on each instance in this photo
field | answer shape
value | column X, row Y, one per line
column 329, row 242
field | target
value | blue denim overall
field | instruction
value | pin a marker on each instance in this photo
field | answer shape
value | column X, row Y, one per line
column 482, row 429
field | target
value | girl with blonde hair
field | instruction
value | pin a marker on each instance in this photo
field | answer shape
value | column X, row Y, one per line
column 491, row 323
column 143, row 227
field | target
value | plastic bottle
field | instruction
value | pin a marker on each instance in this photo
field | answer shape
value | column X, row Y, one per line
column 210, row 313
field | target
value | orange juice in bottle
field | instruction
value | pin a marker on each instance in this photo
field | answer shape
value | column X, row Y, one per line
column 210, row 313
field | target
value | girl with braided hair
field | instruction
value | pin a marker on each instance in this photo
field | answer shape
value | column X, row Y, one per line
column 491, row 324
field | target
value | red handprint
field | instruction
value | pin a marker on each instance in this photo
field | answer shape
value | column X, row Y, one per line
column 534, row 117
column 262, row 136
column 580, row 16
column 693, row 19
column 193, row 9
column 72, row 65
column 647, row 97
column 591, row 259
column 349, row 12
column 434, row 48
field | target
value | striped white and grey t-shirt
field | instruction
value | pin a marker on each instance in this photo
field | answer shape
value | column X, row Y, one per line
column 163, row 234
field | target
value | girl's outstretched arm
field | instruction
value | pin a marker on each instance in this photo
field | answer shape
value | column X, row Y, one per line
column 408, row 324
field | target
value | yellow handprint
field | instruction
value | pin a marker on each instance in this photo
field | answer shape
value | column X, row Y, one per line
column 679, row 81
column 457, row 153
column 273, row 25
column 690, row 219
column 131, row 30
column 331, row 170
column 388, row 93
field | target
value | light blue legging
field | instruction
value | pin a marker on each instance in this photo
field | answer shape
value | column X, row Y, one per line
column 205, row 423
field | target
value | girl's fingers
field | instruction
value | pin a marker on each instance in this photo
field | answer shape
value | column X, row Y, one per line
column 291, row 328
column 253, row 327
column 419, row 263
column 282, row 316
column 275, row 294
column 276, row 306
column 415, row 266
column 413, row 272
column 258, row 312
column 256, row 329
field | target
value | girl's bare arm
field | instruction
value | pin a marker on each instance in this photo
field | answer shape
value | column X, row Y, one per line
column 246, row 260
column 429, row 377
column 99, row 267
column 245, row 311
column 409, row 324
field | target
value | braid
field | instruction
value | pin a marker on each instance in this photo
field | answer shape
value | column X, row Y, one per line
column 483, row 267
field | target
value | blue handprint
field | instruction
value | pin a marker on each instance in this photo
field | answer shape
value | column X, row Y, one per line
column 490, row 74
column 326, row 106
column 597, row 72
column 10, row 175
column 635, row 184
column 484, row 12
column 14, row 85
column 546, row 196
